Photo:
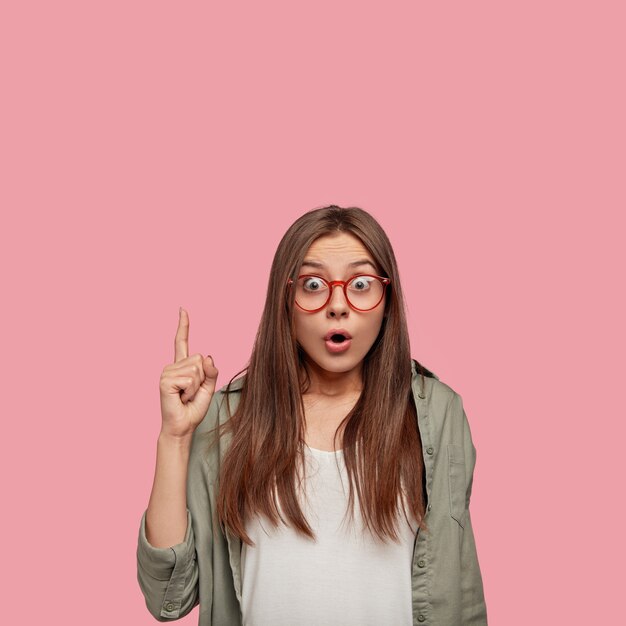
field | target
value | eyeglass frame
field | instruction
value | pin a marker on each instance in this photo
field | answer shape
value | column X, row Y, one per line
column 344, row 285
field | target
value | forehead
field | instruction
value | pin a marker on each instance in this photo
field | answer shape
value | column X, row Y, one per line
column 338, row 251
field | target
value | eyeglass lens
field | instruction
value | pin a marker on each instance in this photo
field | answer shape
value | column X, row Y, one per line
column 364, row 292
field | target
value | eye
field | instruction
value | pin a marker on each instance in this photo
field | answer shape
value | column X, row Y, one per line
column 361, row 283
column 313, row 283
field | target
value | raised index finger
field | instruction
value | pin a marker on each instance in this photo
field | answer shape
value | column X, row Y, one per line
column 181, row 341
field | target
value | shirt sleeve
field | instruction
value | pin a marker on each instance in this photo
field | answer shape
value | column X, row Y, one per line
column 474, row 610
column 168, row 577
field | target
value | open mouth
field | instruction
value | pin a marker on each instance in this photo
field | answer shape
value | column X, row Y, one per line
column 338, row 343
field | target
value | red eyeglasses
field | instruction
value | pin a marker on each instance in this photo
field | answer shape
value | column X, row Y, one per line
column 363, row 292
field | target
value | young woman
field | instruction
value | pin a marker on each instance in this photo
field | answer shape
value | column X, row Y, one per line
column 328, row 485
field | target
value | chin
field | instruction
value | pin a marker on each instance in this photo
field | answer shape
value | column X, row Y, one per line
column 335, row 364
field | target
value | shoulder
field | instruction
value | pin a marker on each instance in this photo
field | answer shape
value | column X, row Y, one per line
column 228, row 397
column 233, row 385
column 431, row 388
column 223, row 402
column 230, row 393
column 441, row 402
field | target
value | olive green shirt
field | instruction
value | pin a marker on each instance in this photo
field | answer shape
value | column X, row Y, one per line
column 205, row 569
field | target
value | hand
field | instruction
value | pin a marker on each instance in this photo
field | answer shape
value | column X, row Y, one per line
column 187, row 386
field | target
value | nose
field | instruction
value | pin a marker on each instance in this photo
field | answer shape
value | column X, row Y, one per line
column 337, row 305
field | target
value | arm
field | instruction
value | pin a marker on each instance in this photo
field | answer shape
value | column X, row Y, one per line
column 169, row 575
column 166, row 569
column 474, row 610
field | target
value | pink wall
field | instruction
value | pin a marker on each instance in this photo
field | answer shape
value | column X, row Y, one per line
column 154, row 153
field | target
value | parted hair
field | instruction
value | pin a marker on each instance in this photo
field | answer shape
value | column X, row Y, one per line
column 381, row 443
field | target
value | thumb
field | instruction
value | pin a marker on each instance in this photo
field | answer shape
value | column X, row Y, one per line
column 210, row 376
column 202, row 397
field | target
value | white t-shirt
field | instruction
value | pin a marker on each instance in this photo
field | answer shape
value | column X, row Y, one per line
column 345, row 577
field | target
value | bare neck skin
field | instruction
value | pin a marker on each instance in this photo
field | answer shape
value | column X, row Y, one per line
column 331, row 395
column 337, row 386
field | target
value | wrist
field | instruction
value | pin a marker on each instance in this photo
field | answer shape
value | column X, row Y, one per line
column 176, row 441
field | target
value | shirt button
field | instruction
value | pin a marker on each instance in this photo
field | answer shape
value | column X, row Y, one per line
column 429, row 449
column 169, row 606
column 421, row 618
column 430, row 506
column 421, row 563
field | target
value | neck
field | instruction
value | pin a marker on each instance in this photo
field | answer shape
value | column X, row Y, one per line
column 334, row 384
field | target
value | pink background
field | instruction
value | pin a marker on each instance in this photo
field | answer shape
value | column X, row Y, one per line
column 154, row 153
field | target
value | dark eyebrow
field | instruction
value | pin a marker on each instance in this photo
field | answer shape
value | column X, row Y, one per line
column 320, row 265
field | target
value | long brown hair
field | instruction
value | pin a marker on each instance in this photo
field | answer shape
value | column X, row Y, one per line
column 266, row 451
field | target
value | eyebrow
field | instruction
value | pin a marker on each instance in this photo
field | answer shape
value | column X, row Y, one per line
column 320, row 265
